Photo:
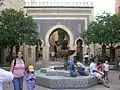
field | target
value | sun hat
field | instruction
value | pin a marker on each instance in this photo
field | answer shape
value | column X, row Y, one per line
column 31, row 68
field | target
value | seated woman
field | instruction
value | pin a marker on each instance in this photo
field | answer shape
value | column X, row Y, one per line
column 80, row 67
column 100, row 68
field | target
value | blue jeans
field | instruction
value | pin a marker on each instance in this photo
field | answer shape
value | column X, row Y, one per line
column 18, row 83
column 81, row 71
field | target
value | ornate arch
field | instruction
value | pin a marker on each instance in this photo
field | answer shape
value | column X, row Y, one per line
column 62, row 27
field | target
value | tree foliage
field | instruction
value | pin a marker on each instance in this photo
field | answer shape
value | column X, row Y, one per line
column 61, row 34
column 105, row 30
column 17, row 28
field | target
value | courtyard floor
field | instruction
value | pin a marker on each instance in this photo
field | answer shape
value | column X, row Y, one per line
column 114, row 84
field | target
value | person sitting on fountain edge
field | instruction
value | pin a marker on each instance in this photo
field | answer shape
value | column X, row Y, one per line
column 71, row 67
column 80, row 67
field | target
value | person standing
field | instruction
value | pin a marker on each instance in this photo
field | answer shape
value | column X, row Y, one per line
column 5, row 76
column 106, row 70
column 53, row 55
column 30, row 77
column 18, row 69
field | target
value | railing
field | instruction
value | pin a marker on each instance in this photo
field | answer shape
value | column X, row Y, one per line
column 66, row 3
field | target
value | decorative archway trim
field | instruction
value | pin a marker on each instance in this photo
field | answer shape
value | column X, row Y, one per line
column 42, row 43
column 78, row 39
column 62, row 27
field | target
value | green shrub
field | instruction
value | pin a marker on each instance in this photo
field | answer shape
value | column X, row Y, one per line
column 6, row 65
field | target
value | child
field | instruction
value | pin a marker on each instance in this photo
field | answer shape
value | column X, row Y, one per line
column 30, row 78
column 106, row 70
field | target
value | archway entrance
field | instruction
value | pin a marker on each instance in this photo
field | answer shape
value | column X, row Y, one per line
column 79, row 49
column 46, row 47
column 58, row 40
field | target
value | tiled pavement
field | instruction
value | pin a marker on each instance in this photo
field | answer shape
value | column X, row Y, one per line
column 114, row 84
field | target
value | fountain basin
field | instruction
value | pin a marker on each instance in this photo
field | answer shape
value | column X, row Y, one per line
column 63, row 82
column 58, row 73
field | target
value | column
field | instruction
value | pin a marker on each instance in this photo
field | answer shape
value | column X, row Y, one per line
column 85, row 49
column 29, row 55
column 25, row 54
column 33, row 54
column 45, row 61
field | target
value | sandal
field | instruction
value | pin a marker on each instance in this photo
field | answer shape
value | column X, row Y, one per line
column 107, row 86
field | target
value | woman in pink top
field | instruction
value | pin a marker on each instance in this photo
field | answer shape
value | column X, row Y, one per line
column 18, row 69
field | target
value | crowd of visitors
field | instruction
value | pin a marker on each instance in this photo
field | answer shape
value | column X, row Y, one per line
column 96, row 68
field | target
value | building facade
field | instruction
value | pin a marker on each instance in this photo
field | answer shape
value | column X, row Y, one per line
column 117, row 6
column 72, row 16
column 117, row 10
column 14, row 4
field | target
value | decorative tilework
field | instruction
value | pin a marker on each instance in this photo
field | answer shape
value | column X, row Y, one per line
column 61, row 82
column 57, row 79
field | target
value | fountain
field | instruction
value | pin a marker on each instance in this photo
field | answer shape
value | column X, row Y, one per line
column 60, row 79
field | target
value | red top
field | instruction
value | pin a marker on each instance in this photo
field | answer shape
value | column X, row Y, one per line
column 100, row 68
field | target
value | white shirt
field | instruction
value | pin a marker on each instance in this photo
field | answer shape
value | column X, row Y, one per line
column 53, row 54
column 80, row 65
column 106, row 67
column 92, row 67
column 86, row 56
column 5, row 76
